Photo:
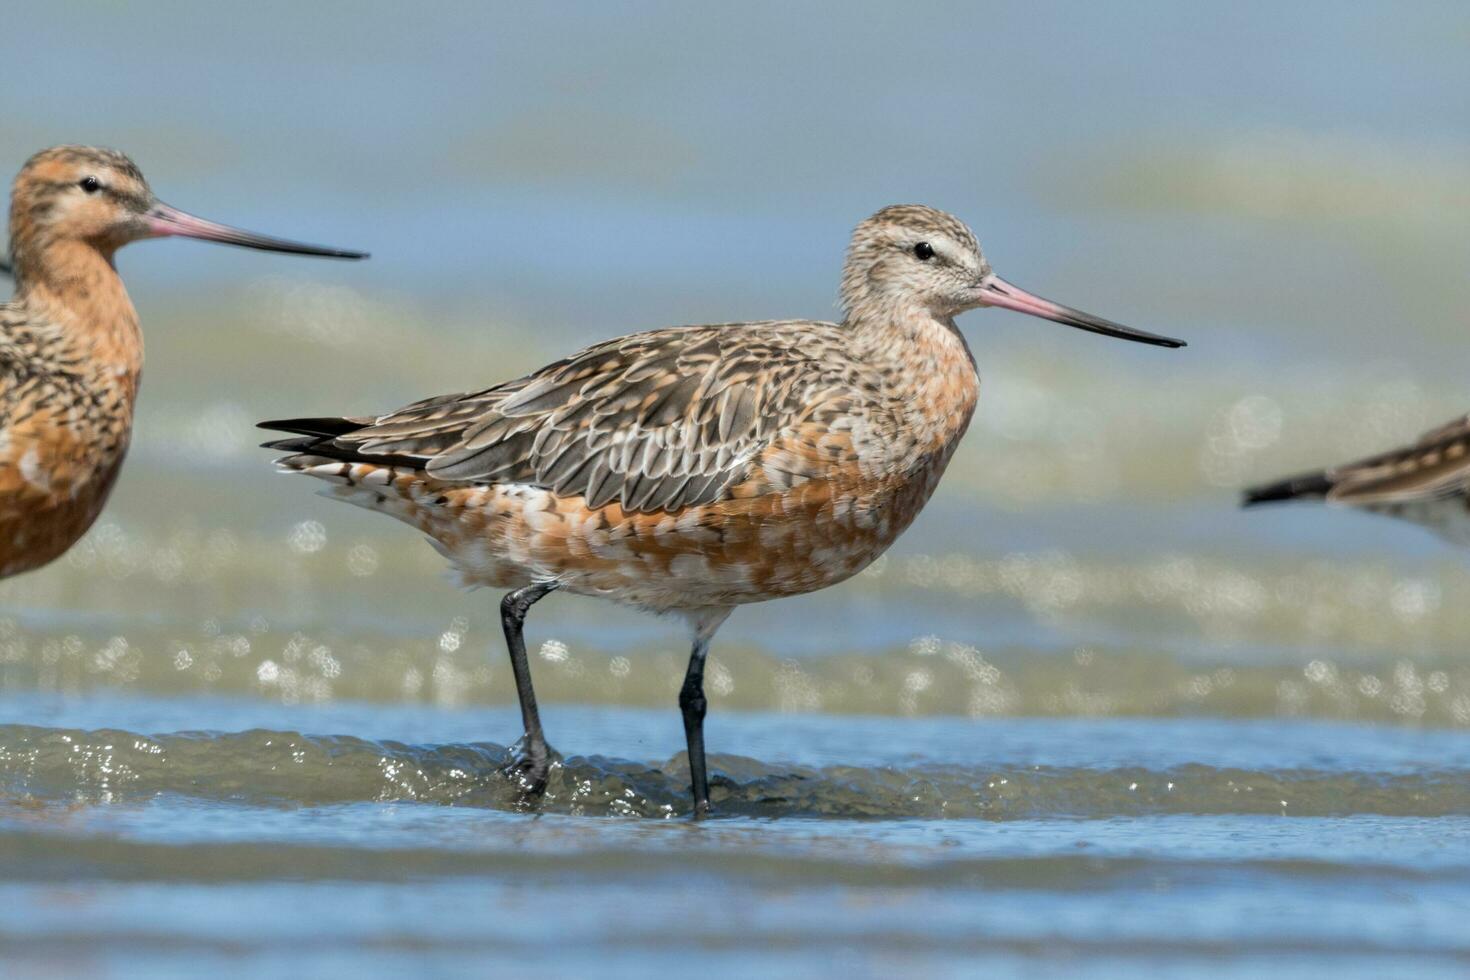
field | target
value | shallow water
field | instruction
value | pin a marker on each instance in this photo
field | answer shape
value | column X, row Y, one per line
column 942, row 844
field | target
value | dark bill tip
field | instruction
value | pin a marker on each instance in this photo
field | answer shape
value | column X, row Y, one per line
column 997, row 292
column 166, row 220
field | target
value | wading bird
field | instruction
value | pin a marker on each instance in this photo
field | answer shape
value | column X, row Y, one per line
column 694, row 469
column 1427, row 483
column 70, row 346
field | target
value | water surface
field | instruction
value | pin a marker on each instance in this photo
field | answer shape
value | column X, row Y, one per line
column 941, row 844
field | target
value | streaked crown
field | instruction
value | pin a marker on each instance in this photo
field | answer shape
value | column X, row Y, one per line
column 910, row 254
column 81, row 192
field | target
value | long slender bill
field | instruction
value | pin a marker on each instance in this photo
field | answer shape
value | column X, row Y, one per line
column 995, row 291
column 165, row 220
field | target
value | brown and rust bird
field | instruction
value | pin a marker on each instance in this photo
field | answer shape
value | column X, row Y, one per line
column 70, row 346
column 694, row 469
column 1426, row 483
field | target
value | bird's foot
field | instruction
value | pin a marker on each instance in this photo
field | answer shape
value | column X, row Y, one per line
column 529, row 767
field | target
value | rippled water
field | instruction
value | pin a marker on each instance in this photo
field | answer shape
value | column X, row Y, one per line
column 1090, row 846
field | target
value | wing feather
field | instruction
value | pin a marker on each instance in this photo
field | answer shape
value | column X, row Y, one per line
column 656, row 421
column 1436, row 465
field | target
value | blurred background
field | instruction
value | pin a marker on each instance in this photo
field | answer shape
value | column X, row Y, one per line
column 1285, row 186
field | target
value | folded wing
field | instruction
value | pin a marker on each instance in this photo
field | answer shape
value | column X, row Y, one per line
column 655, row 421
column 1436, row 465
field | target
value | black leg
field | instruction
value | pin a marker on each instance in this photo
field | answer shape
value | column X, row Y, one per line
column 693, row 704
column 533, row 758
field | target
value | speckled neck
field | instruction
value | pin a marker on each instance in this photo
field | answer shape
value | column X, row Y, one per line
column 925, row 357
column 74, row 286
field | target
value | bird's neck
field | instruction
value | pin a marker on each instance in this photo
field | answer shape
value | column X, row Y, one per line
column 74, row 286
column 923, row 355
column 911, row 337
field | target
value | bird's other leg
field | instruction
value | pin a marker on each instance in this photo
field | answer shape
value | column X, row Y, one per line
column 693, row 705
column 533, row 758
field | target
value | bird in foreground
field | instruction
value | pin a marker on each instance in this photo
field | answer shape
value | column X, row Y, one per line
column 1426, row 483
column 694, row 469
column 70, row 347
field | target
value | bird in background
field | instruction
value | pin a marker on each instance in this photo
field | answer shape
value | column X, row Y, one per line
column 1426, row 483
column 694, row 469
column 70, row 346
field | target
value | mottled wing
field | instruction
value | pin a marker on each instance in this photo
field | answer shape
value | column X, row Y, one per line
column 26, row 390
column 13, row 374
column 655, row 421
column 46, row 452
column 1437, row 465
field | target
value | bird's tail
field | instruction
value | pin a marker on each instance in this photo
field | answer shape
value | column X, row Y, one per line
column 316, row 436
column 1308, row 486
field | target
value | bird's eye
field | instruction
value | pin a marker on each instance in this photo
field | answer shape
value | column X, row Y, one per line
column 923, row 251
column 90, row 184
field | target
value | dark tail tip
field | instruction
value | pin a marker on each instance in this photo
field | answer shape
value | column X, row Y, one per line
column 326, row 427
column 296, row 444
column 1309, row 485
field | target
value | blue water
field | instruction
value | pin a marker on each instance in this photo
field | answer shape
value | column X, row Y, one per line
column 128, row 879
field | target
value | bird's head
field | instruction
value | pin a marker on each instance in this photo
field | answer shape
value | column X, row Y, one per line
column 99, row 197
column 910, row 256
